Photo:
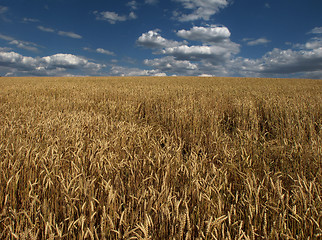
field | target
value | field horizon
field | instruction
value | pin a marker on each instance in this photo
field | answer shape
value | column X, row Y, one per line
column 157, row 77
column 160, row 158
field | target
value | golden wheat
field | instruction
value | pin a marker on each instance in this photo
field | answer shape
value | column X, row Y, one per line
column 160, row 158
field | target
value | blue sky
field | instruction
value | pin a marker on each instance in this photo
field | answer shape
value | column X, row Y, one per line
column 252, row 38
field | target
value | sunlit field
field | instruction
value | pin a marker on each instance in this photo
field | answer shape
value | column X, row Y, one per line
column 160, row 158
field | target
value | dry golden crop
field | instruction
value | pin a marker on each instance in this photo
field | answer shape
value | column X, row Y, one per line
column 160, row 158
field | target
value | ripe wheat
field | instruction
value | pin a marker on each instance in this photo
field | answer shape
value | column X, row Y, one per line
column 160, row 158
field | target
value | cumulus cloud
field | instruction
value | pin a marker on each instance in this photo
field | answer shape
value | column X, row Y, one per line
column 186, row 68
column 314, row 43
column 195, row 53
column 211, row 34
column 255, row 42
column 214, row 54
column 16, row 64
column 44, row 29
column 111, row 17
column 124, row 71
column 201, row 9
column 185, row 59
column 69, row 34
column 153, row 39
column 17, row 61
column 64, row 61
column 169, row 64
column 278, row 62
column 218, row 56
column 289, row 61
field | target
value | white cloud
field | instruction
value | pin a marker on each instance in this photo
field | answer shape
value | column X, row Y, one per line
column 103, row 51
column 201, row 9
column 289, row 61
column 4, row 49
column 16, row 64
column 11, row 57
column 111, row 17
column 124, row 71
column 132, row 4
column 317, row 30
column 64, row 61
column 153, row 39
column 279, row 63
column 44, row 29
column 61, row 33
column 214, row 54
column 218, row 56
column 5, row 37
column 259, row 41
column 267, row 5
column 314, row 44
column 193, row 52
column 69, row 34
column 183, row 59
column 99, row 50
column 25, row 45
column 169, row 64
column 211, row 34
column 132, row 15
column 30, row 46
column 206, row 75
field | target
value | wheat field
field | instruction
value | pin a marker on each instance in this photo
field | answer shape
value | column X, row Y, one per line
column 160, row 158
